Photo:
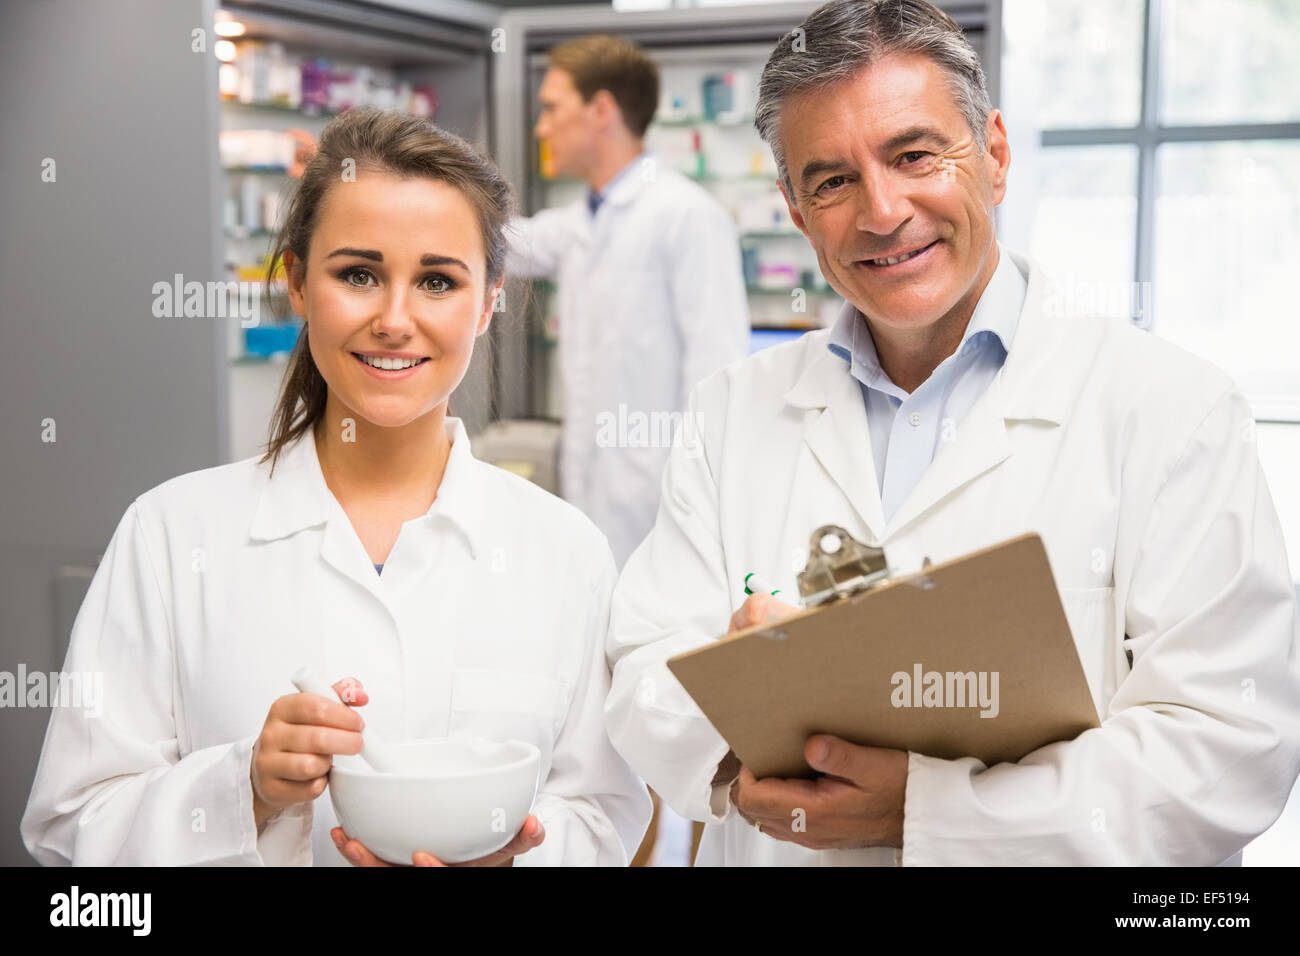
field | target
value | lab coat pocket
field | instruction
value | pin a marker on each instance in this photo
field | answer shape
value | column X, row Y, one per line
column 506, row 705
column 1091, row 614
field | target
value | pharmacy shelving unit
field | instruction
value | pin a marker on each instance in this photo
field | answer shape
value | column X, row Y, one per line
column 448, row 55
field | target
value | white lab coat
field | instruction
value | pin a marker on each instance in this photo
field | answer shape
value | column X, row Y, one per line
column 651, row 299
column 488, row 620
column 1134, row 461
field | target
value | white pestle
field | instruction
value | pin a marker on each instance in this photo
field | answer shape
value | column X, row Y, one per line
column 376, row 751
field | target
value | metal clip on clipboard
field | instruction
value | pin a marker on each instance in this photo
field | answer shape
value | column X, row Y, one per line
column 839, row 566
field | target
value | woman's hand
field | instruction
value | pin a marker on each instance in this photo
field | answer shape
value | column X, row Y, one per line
column 292, row 756
column 530, row 835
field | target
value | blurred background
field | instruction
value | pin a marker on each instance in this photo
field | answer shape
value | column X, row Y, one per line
column 1155, row 169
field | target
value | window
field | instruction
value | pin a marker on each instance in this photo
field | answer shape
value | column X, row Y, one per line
column 1168, row 160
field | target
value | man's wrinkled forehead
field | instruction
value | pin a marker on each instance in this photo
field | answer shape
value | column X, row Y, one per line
column 903, row 100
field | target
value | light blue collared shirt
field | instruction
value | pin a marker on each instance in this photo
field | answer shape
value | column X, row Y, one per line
column 906, row 429
column 594, row 199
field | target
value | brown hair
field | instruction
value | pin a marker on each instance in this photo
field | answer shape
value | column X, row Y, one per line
column 604, row 62
column 382, row 141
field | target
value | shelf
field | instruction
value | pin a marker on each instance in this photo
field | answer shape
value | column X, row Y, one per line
column 279, row 288
column 310, row 114
column 280, row 108
column 265, row 170
column 549, row 286
column 376, row 36
column 544, row 342
column 766, row 178
column 279, row 358
column 787, row 291
column 741, row 122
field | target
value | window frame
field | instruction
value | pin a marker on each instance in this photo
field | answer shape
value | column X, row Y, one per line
column 1149, row 135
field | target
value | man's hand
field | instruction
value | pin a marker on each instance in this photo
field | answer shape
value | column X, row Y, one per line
column 857, row 803
column 760, row 609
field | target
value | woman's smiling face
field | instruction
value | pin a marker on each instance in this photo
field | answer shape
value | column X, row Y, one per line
column 395, row 276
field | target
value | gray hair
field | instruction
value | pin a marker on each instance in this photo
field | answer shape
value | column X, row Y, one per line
column 841, row 37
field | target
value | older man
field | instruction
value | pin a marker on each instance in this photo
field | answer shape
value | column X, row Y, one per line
column 955, row 404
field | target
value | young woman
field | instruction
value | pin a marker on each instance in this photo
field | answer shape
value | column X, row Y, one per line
column 367, row 542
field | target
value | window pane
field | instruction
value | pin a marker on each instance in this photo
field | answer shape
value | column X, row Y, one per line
column 1227, row 257
column 1230, row 62
column 1087, row 57
column 1085, row 225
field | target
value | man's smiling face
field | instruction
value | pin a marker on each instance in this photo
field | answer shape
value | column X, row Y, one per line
column 884, row 167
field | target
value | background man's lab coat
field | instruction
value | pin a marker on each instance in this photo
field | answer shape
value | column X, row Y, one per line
column 1136, row 463
column 651, row 300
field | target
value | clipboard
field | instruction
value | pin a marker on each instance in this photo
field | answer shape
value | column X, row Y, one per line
column 860, row 662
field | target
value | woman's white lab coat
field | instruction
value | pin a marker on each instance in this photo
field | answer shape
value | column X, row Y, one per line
column 488, row 620
column 651, row 299
column 1134, row 461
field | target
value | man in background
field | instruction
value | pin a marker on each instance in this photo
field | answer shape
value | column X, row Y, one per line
column 651, row 293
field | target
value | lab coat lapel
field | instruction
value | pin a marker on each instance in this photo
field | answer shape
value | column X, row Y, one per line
column 1035, row 383
column 618, row 203
column 295, row 498
column 342, row 550
column 835, row 430
column 979, row 443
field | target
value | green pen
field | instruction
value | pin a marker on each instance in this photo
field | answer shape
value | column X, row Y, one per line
column 756, row 585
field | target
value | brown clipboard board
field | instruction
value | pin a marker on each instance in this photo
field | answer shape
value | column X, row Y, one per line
column 835, row 668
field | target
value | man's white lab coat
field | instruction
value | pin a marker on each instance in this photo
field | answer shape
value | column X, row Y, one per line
column 1135, row 462
column 651, row 300
column 489, row 620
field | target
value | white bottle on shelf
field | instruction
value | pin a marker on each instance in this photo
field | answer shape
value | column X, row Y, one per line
column 271, row 210
column 250, row 196
column 253, row 72
column 284, row 78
